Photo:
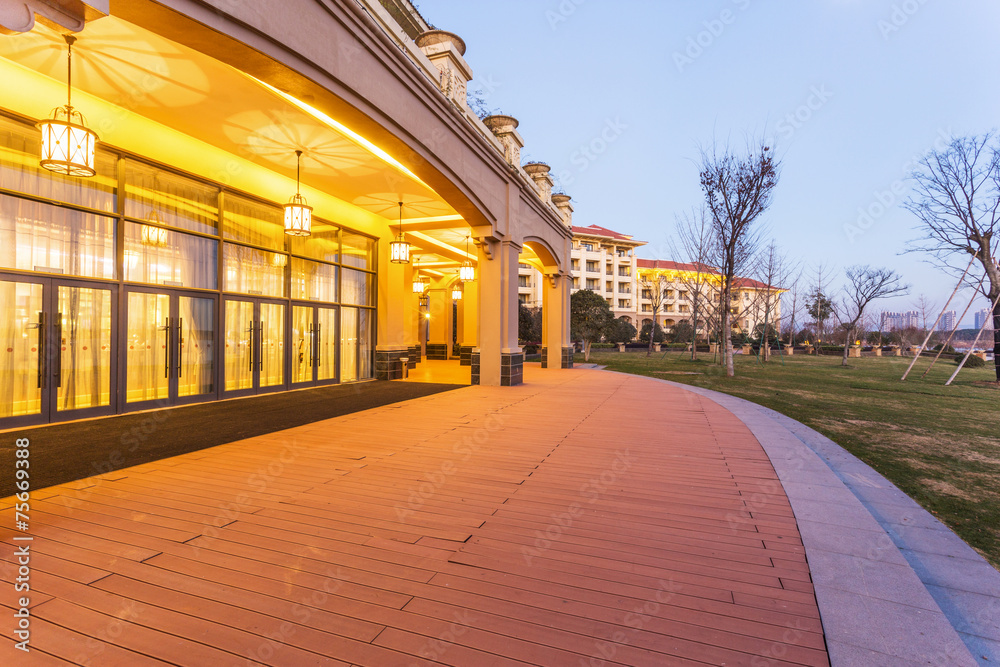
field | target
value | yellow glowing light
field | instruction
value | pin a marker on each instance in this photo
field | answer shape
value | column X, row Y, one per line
column 153, row 236
column 340, row 127
column 418, row 286
column 67, row 147
column 298, row 217
column 467, row 272
column 456, row 294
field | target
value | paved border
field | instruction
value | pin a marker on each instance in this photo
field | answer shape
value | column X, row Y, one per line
column 894, row 585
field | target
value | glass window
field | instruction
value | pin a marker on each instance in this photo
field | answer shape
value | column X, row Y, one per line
column 364, row 344
column 323, row 244
column 247, row 221
column 357, row 250
column 53, row 239
column 170, row 199
column 253, row 271
column 164, row 257
column 313, row 281
column 356, row 288
column 20, row 146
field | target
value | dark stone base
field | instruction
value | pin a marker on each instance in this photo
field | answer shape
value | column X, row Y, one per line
column 565, row 359
column 388, row 365
column 474, row 362
column 465, row 355
column 511, row 369
column 437, row 351
column 414, row 353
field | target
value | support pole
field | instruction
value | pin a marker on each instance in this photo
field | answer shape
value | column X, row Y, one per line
column 958, row 323
column 933, row 328
column 974, row 343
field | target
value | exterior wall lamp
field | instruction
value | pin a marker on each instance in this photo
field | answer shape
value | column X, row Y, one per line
column 298, row 214
column 399, row 250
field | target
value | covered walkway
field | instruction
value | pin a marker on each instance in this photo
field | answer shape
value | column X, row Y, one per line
column 582, row 518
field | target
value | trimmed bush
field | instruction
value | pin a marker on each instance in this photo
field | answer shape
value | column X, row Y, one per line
column 973, row 361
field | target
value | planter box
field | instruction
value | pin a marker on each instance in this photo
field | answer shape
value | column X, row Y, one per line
column 854, row 351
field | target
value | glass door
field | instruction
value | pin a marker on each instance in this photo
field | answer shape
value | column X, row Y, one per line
column 254, row 358
column 169, row 356
column 314, row 345
column 56, row 339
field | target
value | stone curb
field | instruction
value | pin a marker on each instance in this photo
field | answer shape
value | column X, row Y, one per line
column 875, row 606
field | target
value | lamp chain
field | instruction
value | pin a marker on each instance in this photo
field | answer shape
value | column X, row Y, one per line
column 69, row 71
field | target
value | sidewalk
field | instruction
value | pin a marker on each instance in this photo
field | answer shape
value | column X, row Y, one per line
column 584, row 518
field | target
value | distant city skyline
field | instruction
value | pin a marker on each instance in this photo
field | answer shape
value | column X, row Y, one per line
column 619, row 98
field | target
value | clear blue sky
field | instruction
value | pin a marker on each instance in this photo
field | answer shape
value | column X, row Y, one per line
column 851, row 90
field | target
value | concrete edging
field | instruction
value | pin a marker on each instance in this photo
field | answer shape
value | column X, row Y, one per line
column 894, row 585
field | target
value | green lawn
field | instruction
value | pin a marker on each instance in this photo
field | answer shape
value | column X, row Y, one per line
column 941, row 445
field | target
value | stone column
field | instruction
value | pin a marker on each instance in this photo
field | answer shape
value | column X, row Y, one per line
column 468, row 318
column 539, row 173
column 565, row 208
column 445, row 50
column 395, row 285
column 504, row 128
column 498, row 359
column 439, row 339
column 557, row 351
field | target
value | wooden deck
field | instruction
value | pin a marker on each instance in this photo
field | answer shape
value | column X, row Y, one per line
column 585, row 518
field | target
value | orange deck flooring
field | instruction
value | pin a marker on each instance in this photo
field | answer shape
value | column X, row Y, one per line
column 584, row 518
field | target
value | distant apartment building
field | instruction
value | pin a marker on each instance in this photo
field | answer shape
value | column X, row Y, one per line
column 984, row 317
column 948, row 321
column 909, row 319
column 604, row 261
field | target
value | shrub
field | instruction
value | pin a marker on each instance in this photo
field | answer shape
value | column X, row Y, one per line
column 973, row 361
column 949, row 349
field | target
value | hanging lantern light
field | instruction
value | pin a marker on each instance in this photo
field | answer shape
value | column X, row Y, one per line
column 67, row 143
column 399, row 250
column 467, row 272
column 418, row 285
column 153, row 236
column 298, row 214
column 456, row 293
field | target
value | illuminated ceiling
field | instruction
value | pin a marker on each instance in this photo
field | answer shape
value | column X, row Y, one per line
column 183, row 89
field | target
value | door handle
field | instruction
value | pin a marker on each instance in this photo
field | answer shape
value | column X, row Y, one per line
column 42, row 352
column 260, row 338
column 251, row 346
column 317, row 337
column 180, row 345
column 167, row 350
column 58, row 327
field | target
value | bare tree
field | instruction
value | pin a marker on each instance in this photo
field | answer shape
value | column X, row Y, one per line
column 957, row 200
column 925, row 307
column 695, row 245
column 794, row 292
column 818, row 304
column 864, row 285
column 771, row 267
column 652, row 282
column 738, row 190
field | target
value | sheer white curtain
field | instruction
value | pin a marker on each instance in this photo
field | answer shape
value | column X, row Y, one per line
column 39, row 237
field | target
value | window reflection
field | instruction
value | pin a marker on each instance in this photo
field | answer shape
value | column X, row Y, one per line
column 53, row 239
column 170, row 199
column 247, row 221
column 253, row 271
column 313, row 281
column 163, row 257
column 357, row 287
column 357, row 250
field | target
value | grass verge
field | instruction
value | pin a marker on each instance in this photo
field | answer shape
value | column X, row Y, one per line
column 940, row 445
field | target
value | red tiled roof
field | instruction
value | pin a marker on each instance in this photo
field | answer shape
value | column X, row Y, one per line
column 595, row 230
column 751, row 284
column 669, row 265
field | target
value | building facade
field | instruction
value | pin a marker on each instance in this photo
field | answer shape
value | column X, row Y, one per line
column 605, row 261
column 167, row 270
column 984, row 317
column 948, row 321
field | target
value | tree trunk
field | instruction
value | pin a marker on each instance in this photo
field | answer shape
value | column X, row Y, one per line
column 727, row 336
column 847, row 339
column 652, row 333
column 996, row 337
column 694, row 327
column 586, row 350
